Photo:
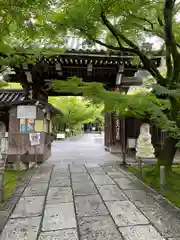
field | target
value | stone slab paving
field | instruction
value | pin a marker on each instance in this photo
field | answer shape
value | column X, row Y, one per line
column 90, row 206
column 102, row 180
column 60, row 181
column 59, row 216
column 75, row 168
column 80, row 177
column 40, row 178
column 111, row 193
column 95, row 170
column 100, row 227
column 21, row 229
column 140, row 232
column 29, row 207
column 59, row 195
column 89, row 202
column 69, row 234
column 35, row 189
column 84, row 188
column 125, row 213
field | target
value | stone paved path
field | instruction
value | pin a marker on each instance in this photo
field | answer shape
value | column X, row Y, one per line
column 85, row 200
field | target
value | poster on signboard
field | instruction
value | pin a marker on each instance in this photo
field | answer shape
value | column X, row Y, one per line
column 30, row 125
column 34, row 139
column 22, row 125
column 39, row 125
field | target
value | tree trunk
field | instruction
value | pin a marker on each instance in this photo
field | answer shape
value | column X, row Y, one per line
column 168, row 152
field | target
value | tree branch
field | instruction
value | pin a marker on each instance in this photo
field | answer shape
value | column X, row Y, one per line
column 113, row 31
column 168, row 64
column 143, row 19
column 106, row 45
column 149, row 30
column 146, row 61
column 7, row 26
column 159, row 34
column 161, row 24
column 168, row 29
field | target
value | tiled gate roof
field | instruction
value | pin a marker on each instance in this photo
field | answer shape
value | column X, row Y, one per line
column 14, row 97
column 79, row 44
column 11, row 97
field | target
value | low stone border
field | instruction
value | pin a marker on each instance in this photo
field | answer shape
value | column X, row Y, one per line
column 9, row 205
column 157, row 196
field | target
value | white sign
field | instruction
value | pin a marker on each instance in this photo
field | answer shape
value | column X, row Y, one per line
column 131, row 143
column 34, row 138
column 26, row 112
column 60, row 136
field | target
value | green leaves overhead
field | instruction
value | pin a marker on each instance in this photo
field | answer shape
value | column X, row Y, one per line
column 133, row 18
column 141, row 105
column 124, row 26
column 26, row 31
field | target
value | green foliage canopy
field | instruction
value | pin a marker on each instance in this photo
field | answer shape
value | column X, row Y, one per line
column 77, row 111
column 25, row 31
column 144, row 105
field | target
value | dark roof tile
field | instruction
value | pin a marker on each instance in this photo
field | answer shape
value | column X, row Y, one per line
column 15, row 97
column 9, row 97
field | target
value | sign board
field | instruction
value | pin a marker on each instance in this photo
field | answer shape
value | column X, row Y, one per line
column 60, row 135
column 39, row 126
column 34, row 138
column 26, row 112
column 131, row 143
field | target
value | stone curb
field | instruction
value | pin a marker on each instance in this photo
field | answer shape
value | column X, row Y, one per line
column 158, row 196
column 9, row 205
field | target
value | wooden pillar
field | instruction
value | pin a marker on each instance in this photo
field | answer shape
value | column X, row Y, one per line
column 117, row 132
column 105, row 130
column 108, row 130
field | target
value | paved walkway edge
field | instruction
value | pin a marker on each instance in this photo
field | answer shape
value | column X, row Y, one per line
column 159, row 196
column 10, row 204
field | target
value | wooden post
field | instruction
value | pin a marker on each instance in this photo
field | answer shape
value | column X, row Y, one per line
column 35, row 155
column 140, row 168
column 162, row 179
column 1, row 173
column 124, row 141
column 2, row 163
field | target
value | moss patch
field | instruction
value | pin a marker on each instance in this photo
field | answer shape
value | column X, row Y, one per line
column 11, row 179
column 151, row 177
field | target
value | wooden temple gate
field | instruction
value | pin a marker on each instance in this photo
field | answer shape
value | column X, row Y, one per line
column 113, row 69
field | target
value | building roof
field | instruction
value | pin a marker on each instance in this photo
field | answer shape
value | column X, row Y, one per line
column 10, row 97
column 79, row 44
